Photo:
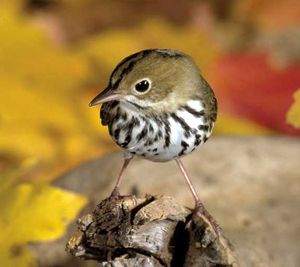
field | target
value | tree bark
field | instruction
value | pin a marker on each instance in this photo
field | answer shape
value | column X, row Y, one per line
column 150, row 231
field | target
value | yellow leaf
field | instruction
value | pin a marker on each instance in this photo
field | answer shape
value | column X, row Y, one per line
column 106, row 49
column 32, row 213
column 293, row 115
column 44, row 112
column 232, row 124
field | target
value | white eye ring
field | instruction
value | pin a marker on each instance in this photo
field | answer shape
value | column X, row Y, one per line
column 142, row 86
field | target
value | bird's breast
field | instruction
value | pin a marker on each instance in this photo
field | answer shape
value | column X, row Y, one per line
column 164, row 136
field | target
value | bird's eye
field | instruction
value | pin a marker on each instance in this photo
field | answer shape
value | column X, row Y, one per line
column 142, row 86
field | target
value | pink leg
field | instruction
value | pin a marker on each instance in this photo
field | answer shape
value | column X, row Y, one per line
column 189, row 182
column 115, row 191
column 199, row 206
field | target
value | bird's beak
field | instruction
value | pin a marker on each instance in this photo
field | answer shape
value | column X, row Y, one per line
column 105, row 96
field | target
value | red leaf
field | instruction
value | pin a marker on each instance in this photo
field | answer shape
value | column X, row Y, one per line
column 250, row 86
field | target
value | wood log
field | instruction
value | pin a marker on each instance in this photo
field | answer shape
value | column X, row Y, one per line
column 150, row 231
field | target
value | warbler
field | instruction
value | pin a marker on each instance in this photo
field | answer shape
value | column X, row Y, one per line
column 158, row 106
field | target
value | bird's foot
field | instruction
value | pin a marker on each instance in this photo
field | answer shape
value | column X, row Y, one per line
column 199, row 208
column 115, row 193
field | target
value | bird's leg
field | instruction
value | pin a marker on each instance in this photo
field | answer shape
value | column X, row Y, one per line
column 115, row 191
column 199, row 206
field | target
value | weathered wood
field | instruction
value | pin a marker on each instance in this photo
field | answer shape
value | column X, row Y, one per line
column 151, row 231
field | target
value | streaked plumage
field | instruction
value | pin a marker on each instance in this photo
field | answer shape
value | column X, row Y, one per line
column 161, row 132
column 159, row 107
column 162, row 136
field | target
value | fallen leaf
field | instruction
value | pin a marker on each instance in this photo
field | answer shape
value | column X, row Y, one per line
column 108, row 48
column 293, row 115
column 249, row 86
column 230, row 124
column 44, row 111
column 31, row 213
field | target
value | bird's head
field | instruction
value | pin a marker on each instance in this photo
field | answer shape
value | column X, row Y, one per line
column 156, row 78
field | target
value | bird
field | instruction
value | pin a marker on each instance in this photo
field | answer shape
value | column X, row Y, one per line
column 159, row 107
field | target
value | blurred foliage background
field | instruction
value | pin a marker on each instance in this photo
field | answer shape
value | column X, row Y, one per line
column 56, row 55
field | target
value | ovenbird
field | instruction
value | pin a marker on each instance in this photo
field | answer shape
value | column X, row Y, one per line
column 158, row 106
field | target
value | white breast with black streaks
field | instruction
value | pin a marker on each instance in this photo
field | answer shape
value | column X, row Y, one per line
column 161, row 137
